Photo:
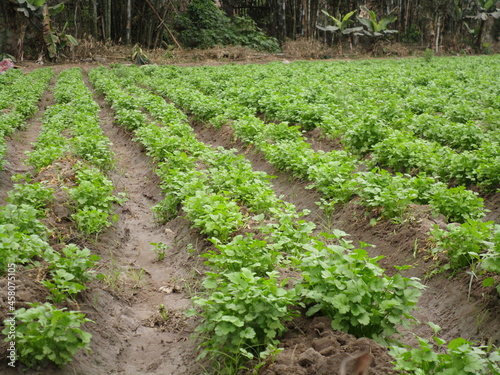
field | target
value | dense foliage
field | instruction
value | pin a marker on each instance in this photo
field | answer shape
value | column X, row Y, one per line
column 204, row 25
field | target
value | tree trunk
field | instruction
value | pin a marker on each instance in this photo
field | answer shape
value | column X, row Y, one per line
column 47, row 33
column 95, row 26
column 108, row 19
column 438, row 30
column 20, row 41
column 129, row 20
column 284, row 19
column 480, row 36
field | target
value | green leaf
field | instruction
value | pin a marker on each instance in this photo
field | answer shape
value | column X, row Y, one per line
column 341, row 302
column 489, row 4
column 490, row 281
column 348, row 15
column 434, row 327
column 224, row 329
column 457, row 343
column 232, row 319
column 210, row 283
column 56, row 9
column 364, row 319
column 37, row 3
column 248, row 333
column 71, row 39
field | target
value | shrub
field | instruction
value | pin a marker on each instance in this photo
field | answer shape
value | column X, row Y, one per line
column 204, row 25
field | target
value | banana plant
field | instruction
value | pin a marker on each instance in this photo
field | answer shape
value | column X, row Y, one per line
column 375, row 28
column 54, row 42
column 341, row 25
column 487, row 9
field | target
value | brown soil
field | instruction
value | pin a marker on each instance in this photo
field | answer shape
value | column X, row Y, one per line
column 311, row 347
column 129, row 334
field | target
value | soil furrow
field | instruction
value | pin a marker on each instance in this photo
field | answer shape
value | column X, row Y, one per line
column 132, row 334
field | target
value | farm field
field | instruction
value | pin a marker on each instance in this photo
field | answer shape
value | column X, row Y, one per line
column 272, row 219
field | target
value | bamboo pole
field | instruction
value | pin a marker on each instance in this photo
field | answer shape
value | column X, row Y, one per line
column 164, row 25
column 129, row 20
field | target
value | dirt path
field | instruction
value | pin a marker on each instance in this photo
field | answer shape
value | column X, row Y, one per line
column 130, row 335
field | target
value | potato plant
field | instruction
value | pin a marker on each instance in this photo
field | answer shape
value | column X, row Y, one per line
column 44, row 332
column 200, row 180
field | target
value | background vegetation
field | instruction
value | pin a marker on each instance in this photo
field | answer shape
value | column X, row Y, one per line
column 441, row 25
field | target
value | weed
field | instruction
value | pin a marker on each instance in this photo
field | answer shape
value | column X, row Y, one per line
column 136, row 276
column 428, row 54
column 160, row 249
column 163, row 312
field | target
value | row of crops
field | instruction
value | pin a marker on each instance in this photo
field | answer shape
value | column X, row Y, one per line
column 258, row 238
column 342, row 175
column 19, row 95
column 69, row 157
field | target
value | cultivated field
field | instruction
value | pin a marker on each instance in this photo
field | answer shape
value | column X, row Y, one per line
column 274, row 219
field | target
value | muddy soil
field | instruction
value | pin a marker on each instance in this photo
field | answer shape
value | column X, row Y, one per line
column 130, row 336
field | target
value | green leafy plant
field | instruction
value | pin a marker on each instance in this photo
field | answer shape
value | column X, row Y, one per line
column 490, row 260
column 428, row 54
column 463, row 243
column 352, row 290
column 380, row 190
column 25, row 219
column 37, row 194
column 374, row 28
column 19, row 248
column 457, row 204
column 44, row 332
column 138, row 56
column 92, row 220
column 244, row 252
column 340, row 24
column 288, row 232
column 332, row 176
column 436, row 357
column 361, row 137
column 160, row 248
column 93, row 200
column 214, row 214
column 177, row 184
column 69, row 271
column 242, row 315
